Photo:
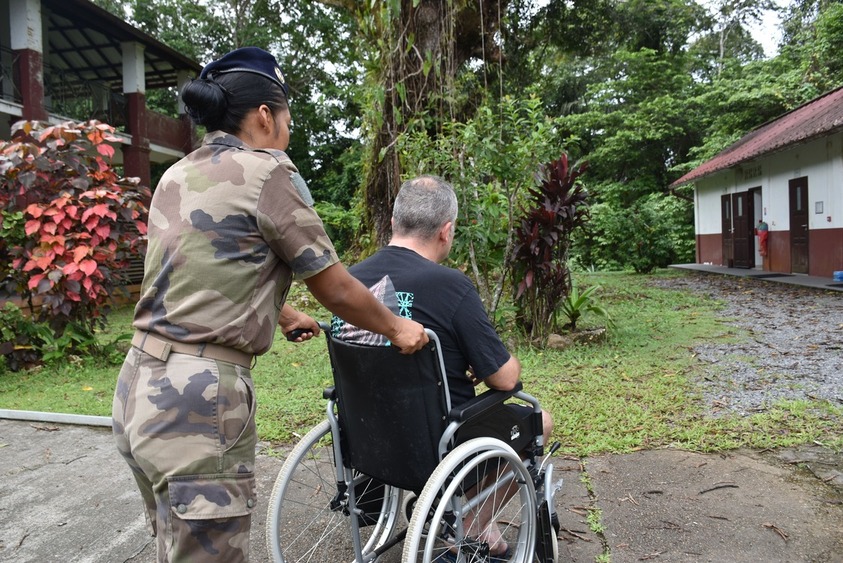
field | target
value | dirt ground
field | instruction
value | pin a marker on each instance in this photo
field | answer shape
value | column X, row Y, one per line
column 66, row 496
column 790, row 342
column 789, row 346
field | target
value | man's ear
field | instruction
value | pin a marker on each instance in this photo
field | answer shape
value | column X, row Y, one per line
column 445, row 231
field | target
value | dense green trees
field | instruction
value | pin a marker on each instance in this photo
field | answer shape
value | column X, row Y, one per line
column 644, row 90
column 315, row 48
column 669, row 85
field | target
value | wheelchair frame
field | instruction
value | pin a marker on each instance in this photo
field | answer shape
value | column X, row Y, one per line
column 324, row 511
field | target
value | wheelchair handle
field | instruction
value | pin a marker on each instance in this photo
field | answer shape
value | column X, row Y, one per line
column 296, row 332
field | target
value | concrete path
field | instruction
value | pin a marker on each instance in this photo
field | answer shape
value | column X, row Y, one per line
column 67, row 496
column 803, row 280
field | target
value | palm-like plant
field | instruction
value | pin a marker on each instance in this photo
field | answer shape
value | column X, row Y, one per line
column 576, row 304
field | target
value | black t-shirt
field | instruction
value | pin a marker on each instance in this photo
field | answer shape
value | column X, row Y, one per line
column 443, row 300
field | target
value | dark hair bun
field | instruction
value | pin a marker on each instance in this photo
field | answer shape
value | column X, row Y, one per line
column 205, row 102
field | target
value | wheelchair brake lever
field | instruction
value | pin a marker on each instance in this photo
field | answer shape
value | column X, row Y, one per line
column 550, row 451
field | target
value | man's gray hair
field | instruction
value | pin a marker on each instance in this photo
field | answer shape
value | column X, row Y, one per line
column 422, row 206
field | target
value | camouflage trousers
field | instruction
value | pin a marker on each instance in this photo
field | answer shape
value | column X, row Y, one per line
column 186, row 427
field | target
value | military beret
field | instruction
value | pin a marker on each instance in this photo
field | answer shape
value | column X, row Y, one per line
column 247, row 59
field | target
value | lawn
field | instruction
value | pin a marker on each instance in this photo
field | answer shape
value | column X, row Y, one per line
column 634, row 391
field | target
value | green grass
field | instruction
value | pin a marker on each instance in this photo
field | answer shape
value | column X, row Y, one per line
column 595, row 520
column 635, row 391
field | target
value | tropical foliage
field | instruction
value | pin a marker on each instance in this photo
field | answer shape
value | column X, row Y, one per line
column 577, row 304
column 491, row 160
column 642, row 89
column 556, row 206
column 70, row 224
column 482, row 92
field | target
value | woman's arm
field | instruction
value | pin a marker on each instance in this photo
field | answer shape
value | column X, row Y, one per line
column 349, row 299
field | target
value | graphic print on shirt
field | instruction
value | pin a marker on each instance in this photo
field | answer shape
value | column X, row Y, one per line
column 399, row 302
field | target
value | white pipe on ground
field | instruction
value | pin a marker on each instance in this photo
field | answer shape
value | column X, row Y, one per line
column 60, row 418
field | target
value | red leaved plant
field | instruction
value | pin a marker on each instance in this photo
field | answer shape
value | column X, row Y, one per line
column 556, row 205
column 81, row 223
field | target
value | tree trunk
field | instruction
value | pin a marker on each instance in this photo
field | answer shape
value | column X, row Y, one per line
column 382, row 181
column 418, row 61
column 420, row 49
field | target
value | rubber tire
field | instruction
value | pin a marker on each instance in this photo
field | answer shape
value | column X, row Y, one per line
column 520, row 511
column 300, row 526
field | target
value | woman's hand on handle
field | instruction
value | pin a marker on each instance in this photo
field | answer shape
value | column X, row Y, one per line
column 409, row 337
column 297, row 326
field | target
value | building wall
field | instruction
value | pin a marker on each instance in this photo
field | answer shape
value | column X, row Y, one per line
column 707, row 201
column 150, row 136
column 710, row 249
column 821, row 161
column 826, row 252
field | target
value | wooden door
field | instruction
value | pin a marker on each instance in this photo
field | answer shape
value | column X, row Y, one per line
column 726, row 230
column 742, row 231
column 799, row 225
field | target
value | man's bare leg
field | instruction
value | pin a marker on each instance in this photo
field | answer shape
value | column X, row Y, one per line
column 479, row 524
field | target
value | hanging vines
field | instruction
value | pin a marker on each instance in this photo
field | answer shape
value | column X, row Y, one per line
column 418, row 47
column 416, row 61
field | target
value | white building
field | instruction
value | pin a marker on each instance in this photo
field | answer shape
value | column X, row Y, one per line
column 787, row 173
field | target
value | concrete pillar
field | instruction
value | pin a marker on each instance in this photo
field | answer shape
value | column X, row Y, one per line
column 188, row 131
column 28, row 46
column 136, row 155
column 182, row 77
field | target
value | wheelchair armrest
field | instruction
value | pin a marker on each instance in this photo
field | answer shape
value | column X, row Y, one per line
column 481, row 403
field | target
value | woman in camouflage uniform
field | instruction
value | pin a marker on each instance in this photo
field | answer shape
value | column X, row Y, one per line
column 229, row 226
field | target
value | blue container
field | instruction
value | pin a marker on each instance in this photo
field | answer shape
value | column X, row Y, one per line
column 838, row 276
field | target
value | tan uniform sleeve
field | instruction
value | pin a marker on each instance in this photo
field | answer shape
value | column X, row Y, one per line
column 291, row 227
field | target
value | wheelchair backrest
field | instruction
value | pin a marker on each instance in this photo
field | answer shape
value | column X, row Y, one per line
column 392, row 410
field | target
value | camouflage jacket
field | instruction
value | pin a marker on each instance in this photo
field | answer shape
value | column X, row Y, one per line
column 229, row 227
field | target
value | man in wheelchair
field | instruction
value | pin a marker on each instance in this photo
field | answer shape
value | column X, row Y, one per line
column 407, row 276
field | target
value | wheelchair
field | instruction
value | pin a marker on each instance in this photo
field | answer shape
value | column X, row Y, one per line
column 395, row 467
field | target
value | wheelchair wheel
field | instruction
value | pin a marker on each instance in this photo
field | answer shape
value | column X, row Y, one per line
column 302, row 526
column 438, row 531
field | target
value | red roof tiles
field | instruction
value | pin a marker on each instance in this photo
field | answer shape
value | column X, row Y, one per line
column 813, row 119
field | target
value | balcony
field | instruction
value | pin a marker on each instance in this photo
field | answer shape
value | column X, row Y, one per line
column 9, row 90
column 68, row 95
column 84, row 63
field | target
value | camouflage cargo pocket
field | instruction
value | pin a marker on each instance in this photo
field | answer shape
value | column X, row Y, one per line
column 202, row 497
column 211, row 517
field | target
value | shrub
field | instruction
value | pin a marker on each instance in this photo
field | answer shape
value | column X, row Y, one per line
column 654, row 232
column 490, row 160
column 576, row 304
column 20, row 339
column 340, row 224
column 556, row 206
column 70, row 225
column 25, row 343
